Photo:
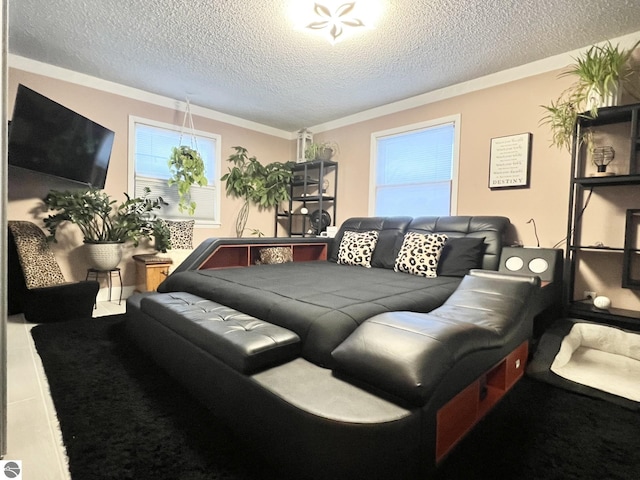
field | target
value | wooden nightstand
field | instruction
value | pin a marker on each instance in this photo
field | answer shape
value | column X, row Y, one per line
column 151, row 270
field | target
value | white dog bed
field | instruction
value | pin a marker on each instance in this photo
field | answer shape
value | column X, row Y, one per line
column 601, row 357
column 592, row 359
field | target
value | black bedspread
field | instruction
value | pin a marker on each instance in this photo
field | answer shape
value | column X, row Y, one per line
column 322, row 302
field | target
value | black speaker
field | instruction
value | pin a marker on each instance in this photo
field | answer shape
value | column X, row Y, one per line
column 546, row 263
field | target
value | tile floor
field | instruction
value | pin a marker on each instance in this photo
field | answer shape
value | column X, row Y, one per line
column 33, row 433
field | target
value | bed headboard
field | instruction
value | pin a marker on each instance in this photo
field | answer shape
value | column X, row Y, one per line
column 492, row 228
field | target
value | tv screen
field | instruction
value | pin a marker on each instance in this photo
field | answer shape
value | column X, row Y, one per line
column 49, row 138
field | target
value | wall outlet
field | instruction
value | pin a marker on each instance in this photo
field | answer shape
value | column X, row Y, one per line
column 589, row 294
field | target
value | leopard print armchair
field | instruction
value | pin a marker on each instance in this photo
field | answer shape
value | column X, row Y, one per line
column 36, row 286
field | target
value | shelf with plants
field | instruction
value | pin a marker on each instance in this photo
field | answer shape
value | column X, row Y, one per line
column 603, row 138
column 313, row 199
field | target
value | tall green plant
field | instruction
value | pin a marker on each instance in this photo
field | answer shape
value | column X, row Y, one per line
column 263, row 185
column 187, row 168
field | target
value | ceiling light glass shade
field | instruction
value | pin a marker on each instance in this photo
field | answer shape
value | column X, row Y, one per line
column 335, row 20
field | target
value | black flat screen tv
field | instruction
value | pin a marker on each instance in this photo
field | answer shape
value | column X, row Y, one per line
column 49, row 138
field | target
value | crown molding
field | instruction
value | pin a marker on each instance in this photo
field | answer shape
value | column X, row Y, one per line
column 59, row 73
column 538, row 67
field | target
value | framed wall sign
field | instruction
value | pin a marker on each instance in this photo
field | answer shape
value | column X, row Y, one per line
column 510, row 161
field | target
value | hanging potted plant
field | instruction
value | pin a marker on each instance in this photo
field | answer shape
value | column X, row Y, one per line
column 105, row 227
column 602, row 72
column 186, row 166
column 263, row 185
column 187, row 169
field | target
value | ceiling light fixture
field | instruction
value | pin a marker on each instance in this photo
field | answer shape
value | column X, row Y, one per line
column 334, row 22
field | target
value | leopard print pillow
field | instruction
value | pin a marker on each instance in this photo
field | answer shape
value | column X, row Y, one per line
column 38, row 264
column 420, row 253
column 356, row 248
column 181, row 233
column 270, row 255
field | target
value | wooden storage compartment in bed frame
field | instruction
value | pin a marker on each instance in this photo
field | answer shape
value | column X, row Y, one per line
column 463, row 411
column 226, row 256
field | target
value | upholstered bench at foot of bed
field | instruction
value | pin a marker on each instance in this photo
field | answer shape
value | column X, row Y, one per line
column 243, row 342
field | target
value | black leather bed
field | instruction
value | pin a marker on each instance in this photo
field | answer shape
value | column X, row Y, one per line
column 322, row 302
column 336, row 371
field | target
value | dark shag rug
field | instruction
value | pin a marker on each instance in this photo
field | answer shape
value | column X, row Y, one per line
column 124, row 418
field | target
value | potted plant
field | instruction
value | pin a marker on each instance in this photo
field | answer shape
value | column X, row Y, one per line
column 187, row 168
column 321, row 151
column 102, row 223
column 561, row 118
column 263, row 185
column 602, row 72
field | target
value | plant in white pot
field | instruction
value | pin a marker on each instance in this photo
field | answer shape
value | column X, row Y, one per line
column 603, row 72
column 105, row 227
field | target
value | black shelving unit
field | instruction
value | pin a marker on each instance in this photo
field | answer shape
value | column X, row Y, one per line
column 624, row 118
column 307, row 192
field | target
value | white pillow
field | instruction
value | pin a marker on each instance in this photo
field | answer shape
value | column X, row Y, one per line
column 420, row 253
column 356, row 248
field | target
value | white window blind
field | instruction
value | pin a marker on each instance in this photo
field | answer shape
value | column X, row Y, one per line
column 152, row 148
column 414, row 172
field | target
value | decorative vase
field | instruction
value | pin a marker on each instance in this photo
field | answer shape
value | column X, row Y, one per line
column 104, row 256
column 613, row 99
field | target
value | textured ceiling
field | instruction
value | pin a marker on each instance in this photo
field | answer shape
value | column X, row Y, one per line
column 245, row 57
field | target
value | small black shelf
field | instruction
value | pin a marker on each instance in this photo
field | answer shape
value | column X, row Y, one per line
column 591, row 248
column 609, row 115
column 302, row 183
column 613, row 180
column 313, row 198
column 617, row 316
column 299, row 167
column 307, row 190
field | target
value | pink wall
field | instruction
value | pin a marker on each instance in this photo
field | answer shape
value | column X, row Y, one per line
column 493, row 112
column 498, row 111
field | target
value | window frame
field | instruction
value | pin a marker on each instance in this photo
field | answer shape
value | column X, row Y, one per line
column 217, row 185
column 413, row 128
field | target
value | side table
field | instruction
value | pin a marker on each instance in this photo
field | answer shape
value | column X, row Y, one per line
column 151, row 270
column 94, row 273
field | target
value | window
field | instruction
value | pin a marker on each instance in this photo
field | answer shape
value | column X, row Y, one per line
column 414, row 170
column 150, row 145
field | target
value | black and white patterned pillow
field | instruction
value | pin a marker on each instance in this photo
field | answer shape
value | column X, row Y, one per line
column 181, row 233
column 356, row 248
column 420, row 253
